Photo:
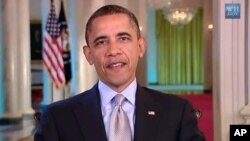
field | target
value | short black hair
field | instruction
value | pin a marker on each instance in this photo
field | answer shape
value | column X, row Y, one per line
column 109, row 10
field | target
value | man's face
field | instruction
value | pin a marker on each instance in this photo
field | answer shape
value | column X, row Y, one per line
column 114, row 49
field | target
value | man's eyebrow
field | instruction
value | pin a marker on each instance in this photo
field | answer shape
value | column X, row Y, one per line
column 99, row 38
column 124, row 34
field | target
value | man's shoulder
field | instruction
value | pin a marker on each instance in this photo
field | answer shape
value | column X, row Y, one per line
column 167, row 102
column 164, row 97
column 72, row 101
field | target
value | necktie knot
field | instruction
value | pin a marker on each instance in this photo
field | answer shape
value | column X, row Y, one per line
column 119, row 99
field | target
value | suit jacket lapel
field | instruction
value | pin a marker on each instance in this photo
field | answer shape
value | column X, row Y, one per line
column 146, row 116
column 89, row 116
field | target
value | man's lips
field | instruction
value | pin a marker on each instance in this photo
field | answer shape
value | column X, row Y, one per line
column 114, row 65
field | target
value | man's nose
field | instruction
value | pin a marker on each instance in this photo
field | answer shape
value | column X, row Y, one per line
column 113, row 49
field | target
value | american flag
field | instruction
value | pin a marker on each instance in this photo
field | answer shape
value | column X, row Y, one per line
column 53, row 51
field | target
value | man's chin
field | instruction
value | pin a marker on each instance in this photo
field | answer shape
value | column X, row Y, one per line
column 118, row 85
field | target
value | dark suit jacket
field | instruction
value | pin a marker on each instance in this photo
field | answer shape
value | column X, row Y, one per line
column 80, row 119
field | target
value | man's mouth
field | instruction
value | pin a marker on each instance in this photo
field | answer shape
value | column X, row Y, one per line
column 116, row 65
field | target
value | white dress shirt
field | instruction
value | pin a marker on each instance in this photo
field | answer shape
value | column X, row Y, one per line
column 107, row 105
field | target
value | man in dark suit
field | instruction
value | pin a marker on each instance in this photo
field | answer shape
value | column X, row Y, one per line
column 114, row 47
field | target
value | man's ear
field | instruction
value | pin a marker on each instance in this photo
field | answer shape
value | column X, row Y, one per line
column 87, row 53
column 142, row 47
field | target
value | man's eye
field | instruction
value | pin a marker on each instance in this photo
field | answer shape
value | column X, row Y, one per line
column 124, row 38
column 100, row 42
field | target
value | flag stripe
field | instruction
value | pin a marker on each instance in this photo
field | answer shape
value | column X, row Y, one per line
column 54, row 50
column 52, row 60
column 52, row 76
column 52, row 67
column 53, row 73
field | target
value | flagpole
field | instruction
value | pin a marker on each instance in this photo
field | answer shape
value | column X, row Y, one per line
column 64, row 91
column 52, row 93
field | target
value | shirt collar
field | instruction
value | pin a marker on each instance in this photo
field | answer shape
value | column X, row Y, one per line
column 106, row 93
